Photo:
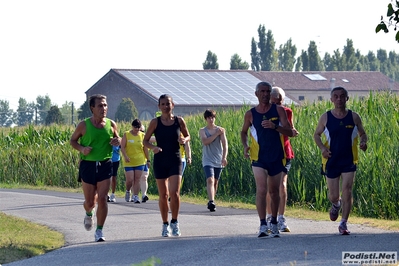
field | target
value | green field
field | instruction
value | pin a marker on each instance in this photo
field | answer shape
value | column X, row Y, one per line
column 42, row 156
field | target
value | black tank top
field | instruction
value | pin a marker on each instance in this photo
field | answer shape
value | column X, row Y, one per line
column 167, row 138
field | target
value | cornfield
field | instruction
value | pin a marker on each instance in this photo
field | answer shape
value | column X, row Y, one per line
column 42, row 156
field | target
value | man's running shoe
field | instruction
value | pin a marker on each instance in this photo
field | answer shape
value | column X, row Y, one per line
column 343, row 229
column 112, row 198
column 127, row 196
column 282, row 225
column 175, row 229
column 165, row 230
column 135, row 199
column 144, row 198
column 268, row 222
column 263, row 231
column 274, row 230
column 211, row 206
column 334, row 211
column 88, row 222
column 99, row 236
column 108, row 198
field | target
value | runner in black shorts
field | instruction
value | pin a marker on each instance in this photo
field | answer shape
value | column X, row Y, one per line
column 167, row 161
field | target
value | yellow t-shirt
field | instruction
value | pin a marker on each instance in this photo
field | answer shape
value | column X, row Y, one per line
column 134, row 150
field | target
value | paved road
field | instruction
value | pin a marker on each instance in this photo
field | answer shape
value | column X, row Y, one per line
column 225, row 237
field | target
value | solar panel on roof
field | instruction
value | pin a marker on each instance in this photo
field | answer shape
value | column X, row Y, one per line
column 200, row 88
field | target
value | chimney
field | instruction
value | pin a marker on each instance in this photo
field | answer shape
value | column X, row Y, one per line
column 332, row 83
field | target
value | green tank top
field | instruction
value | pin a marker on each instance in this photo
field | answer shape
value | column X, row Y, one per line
column 98, row 139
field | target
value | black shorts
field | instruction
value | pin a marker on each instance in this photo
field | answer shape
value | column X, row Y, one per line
column 336, row 171
column 115, row 167
column 93, row 172
column 162, row 171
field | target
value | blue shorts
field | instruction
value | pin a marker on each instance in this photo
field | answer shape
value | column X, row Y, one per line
column 145, row 168
column 92, row 172
column 139, row 168
column 212, row 171
column 183, row 167
column 272, row 168
column 336, row 171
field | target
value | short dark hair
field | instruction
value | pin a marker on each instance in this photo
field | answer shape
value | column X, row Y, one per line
column 263, row 83
column 164, row 96
column 209, row 113
column 338, row 89
column 93, row 98
column 136, row 123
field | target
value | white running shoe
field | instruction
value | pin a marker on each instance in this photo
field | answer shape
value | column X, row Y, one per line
column 282, row 225
column 127, row 196
column 112, row 198
column 99, row 236
column 268, row 222
column 88, row 222
column 263, row 231
column 175, row 229
column 165, row 230
column 274, row 230
column 135, row 199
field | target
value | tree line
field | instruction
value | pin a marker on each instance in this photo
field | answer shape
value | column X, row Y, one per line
column 44, row 112
column 266, row 56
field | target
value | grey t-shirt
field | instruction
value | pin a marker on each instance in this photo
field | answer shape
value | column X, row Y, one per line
column 212, row 153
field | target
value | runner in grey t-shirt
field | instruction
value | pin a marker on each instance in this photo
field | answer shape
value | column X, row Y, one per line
column 214, row 154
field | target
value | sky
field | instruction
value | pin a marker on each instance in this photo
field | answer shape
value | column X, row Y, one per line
column 62, row 48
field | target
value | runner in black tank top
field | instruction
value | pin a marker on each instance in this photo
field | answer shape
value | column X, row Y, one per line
column 167, row 161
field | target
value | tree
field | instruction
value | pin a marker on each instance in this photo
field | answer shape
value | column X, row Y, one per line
column 84, row 111
column 126, row 111
column 255, row 57
column 314, row 59
column 66, row 111
column 43, row 104
column 25, row 112
column 304, row 60
column 7, row 116
column 266, row 45
column 211, row 61
column 236, row 63
column 54, row 116
column 393, row 14
column 349, row 56
column 286, row 56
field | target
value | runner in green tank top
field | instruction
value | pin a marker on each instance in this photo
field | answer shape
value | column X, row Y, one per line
column 94, row 138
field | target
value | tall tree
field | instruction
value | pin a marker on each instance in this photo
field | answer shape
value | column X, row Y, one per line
column 66, row 111
column 315, row 63
column 267, row 53
column 305, row 61
column 25, row 112
column 43, row 104
column 84, row 111
column 54, row 116
column 350, row 60
column 237, row 63
column 126, row 111
column 211, row 61
column 298, row 65
column 286, row 56
column 7, row 116
column 374, row 62
column 255, row 57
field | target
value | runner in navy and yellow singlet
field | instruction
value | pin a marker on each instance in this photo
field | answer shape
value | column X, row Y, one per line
column 342, row 129
column 266, row 122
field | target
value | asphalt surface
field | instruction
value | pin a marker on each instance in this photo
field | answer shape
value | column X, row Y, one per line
column 225, row 237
